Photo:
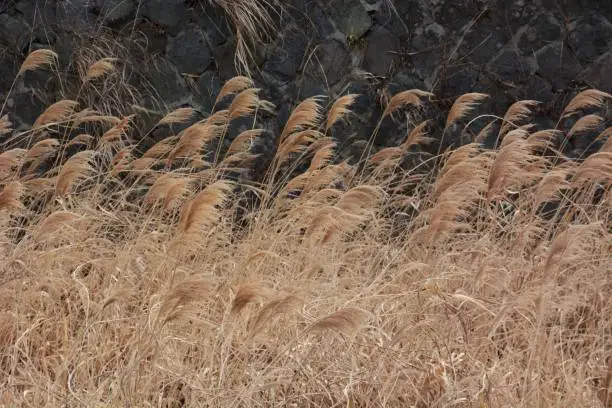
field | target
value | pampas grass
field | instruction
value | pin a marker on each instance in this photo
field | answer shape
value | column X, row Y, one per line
column 463, row 106
column 10, row 196
column 168, row 189
column 57, row 112
column 160, row 276
column 306, row 115
column 590, row 98
column 401, row 99
column 75, row 169
column 339, row 110
column 234, row 85
column 37, row 59
column 179, row 115
column 100, row 68
column 517, row 113
column 202, row 210
column 345, row 321
column 5, row 125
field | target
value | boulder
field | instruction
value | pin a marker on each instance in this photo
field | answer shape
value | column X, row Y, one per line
column 350, row 16
column 190, row 51
column 167, row 13
column 381, row 51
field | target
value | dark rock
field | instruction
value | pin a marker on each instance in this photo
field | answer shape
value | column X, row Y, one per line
column 365, row 113
column 454, row 81
column 190, row 51
column 309, row 86
column 209, row 86
column 427, row 47
column 115, row 10
column 403, row 18
column 381, row 52
column 168, row 13
column 65, row 47
column 500, row 97
column 578, row 7
column 274, row 92
column 598, row 75
column 41, row 17
column 283, row 115
column 14, row 33
column 517, row 49
column 286, row 57
column 350, row 16
column 322, row 25
column 590, row 37
column 156, row 39
column 541, row 30
column 557, row 65
column 26, row 105
column 330, row 61
column 445, row 14
column 405, row 80
column 76, row 14
column 391, row 132
column 8, row 69
column 511, row 66
column 482, row 41
column 537, row 88
column 224, row 56
column 214, row 22
column 367, row 96
column 166, row 83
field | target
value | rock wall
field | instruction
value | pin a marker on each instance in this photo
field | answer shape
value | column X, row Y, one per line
column 181, row 51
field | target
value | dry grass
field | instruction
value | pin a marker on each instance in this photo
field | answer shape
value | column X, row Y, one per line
column 126, row 281
column 253, row 23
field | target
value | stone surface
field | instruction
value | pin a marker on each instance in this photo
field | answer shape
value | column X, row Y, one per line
column 155, row 38
column 288, row 55
column 401, row 19
column 27, row 105
column 599, row 74
column 404, row 80
column 115, row 10
column 330, row 61
column 209, row 85
column 321, row 23
column 546, row 50
column 167, row 83
column 13, row 33
column 42, row 18
column 426, row 50
column 380, row 53
column 190, row 51
column 76, row 14
column 350, row 16
column 225, row 60
column 511, row 66
column 542, row 30
column 590, row 37
column 168, row 13
column 557, row 64
column 309, row 86
column 212, row 21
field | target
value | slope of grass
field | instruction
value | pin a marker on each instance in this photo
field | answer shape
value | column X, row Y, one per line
column 479, row 278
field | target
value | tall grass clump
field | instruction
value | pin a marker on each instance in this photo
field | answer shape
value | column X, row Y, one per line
column 175, row 275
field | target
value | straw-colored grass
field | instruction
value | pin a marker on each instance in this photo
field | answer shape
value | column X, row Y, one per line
column 132, row 280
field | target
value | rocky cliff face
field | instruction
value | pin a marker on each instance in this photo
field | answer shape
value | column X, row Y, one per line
column 180, row 51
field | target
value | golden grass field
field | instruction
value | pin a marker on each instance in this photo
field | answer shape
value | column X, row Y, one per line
column 126, row 281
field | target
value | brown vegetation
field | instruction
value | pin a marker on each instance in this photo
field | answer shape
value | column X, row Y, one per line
column 125, row 282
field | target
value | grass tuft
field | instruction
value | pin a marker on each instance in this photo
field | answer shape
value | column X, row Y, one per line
column 185, row 272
